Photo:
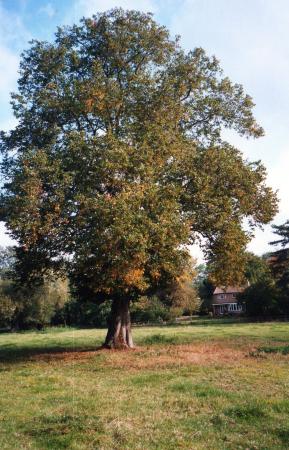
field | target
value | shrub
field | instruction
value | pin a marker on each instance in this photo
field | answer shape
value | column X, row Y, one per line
column 261, row 299
column 36, row 306
column 7, row 311
column 151, row 310
column 82, row 313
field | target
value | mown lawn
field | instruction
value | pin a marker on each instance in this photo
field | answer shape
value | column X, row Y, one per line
column 208, row 385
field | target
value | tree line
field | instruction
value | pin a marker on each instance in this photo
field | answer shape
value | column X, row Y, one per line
column 267, row 279
column 54, row 301
column 268, row 293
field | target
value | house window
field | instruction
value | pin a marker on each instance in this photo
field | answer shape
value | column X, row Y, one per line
column 222, row 296
column 234, row 295
column 221, row 309
column 234, row 307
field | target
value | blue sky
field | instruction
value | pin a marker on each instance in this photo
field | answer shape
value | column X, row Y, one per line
column 249, row 37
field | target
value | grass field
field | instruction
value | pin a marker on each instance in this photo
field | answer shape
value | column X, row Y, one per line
column 208, row 385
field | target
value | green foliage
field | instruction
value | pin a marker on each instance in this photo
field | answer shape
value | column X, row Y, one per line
column 118, row 161
column 283, row 232
column 85, row 313
column 39, row 304
column 181, row 296
column 35, row 306
column 204, row 288
column 7, row 305
column 176, row 299
column 261, row 299
column 280, row 264
column 257, row 268
column 151, row 310
column 269, row 277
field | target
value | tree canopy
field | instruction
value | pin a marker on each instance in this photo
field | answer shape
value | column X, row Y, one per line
column 280, row 258
column 117, row 163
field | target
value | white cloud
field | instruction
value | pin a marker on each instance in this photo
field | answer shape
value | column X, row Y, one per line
column 8, row 123
column 5, row 239
column 197, row 253
column 48, row 9
column 89, row 7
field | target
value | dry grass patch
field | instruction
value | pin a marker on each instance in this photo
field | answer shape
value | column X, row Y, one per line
column 156, row 356
column 175, row 355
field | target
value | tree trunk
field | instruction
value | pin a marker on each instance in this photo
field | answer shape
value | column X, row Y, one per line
column 119, row 325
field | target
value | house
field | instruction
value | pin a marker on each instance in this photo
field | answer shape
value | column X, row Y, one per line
column 225, row 301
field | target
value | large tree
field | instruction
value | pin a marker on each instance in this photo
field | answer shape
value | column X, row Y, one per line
column 279, row 262
column 117, row 164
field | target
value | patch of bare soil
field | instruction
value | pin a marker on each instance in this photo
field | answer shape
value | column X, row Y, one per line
column 177, row 355
column 156, row 356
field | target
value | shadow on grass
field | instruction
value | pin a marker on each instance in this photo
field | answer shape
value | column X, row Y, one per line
column 19, row 354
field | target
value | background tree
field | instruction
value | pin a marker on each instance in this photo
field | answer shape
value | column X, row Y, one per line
column 261, row 297
column 205, row 288
column 33, row 306
column 118, row 161
column 257, row 268
column 38, row 305
column 7, row 307
column 25, row 304
column 279, row 263
column 181, row 296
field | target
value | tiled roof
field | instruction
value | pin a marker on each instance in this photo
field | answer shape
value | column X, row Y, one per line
column 229, row 290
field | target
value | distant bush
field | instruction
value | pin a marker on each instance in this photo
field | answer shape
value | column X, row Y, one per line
column 24, row 307
column 151, row 310
column 7, row 307
column 39, row 305
column 89, row 314
column 261, row 299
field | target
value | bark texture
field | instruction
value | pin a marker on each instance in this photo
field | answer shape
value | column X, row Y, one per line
column 119, row 325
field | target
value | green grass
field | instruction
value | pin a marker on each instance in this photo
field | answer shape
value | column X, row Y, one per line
column 207, row 385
